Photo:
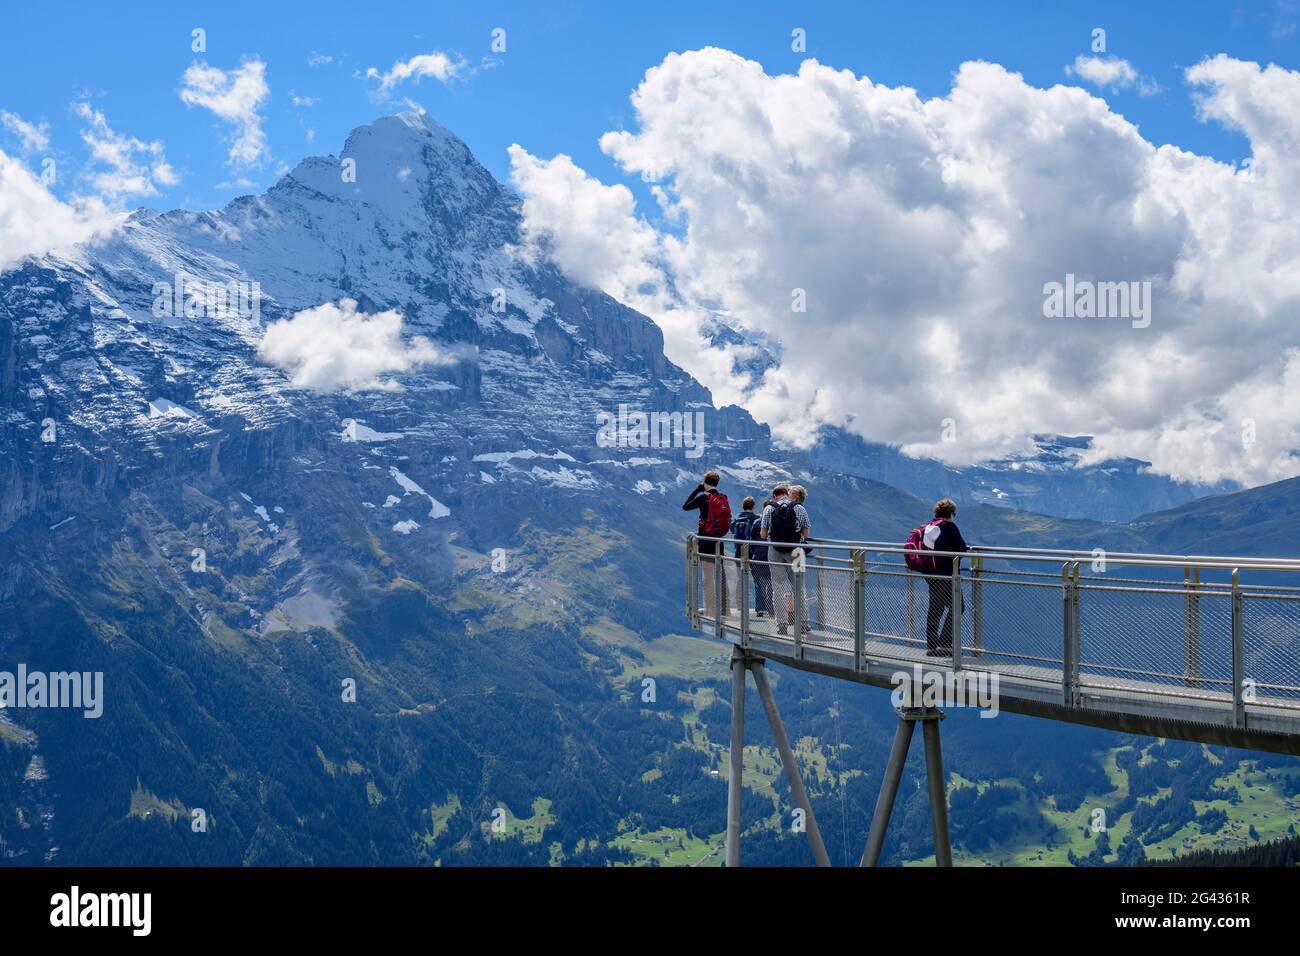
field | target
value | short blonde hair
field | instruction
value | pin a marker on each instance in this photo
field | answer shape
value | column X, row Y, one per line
column 799, row 492
column 712, row 478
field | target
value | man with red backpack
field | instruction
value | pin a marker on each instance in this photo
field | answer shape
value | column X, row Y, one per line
column 715, row 522
column 941, row 534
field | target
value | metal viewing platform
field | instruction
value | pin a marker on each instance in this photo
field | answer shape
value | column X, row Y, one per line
column 1191, row 647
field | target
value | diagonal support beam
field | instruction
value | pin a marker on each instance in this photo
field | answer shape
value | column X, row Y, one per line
column 787, row 761
column 888, row 791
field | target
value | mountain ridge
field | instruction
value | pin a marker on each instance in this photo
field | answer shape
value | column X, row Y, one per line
column 228, row 548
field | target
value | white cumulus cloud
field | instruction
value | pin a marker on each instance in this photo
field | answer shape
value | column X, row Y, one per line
column 129, row 166
column 33, row 221
column 439, row 65
column 922, row 233
column 1112, row 73
column 334, row 347
column 592, row 232
column 33, row 136
column 235, row 96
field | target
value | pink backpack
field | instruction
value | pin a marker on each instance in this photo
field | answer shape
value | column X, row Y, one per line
column 915, row 548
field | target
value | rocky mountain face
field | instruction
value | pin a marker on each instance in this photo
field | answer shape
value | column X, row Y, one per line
column 350, row 624
column 229, row 548
column 529, row 358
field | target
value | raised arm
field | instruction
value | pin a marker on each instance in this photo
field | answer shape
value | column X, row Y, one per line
column 696, row 500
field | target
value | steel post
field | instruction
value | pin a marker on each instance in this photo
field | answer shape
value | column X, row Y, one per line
column 955, row 615
column 911, row 609
column 821, row 589
column 719, row 589
column 859, row 610
column 798, row 568
column 1070, row 636
column 742, row 593
column 1076, row 690
column 1238, row 653
column 693, row 581
column 938, row 789
column 1192, row 628
column 736, row 757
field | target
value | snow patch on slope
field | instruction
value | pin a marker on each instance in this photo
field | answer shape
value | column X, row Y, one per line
column 353, row 430
column 436, row 508
column 163, row 408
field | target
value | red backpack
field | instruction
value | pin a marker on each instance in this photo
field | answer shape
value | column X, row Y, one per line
column 915, row 548
column 717, row 519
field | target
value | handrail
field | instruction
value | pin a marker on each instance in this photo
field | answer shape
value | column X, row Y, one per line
column 1235, row 560
column 1055, row 556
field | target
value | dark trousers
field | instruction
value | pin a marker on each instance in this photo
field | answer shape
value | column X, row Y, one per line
column 939, row 640
column 762, row 588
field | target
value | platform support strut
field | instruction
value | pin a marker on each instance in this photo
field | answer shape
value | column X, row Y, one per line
column 908, row 717
column 740, row 663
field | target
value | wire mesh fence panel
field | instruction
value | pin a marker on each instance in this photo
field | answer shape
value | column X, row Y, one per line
column 1271, row 648
column 1207, row 644
column 717, row 578
column 894, row 598
column 966, row 637
column 783, row 583
column 763, row 619
column 935, row 607
column 830, row 614
column 697, row 573
column 1021, row 624
column 729, row 568
column 1176, row 640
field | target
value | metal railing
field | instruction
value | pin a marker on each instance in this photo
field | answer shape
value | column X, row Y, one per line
column 1218, row 632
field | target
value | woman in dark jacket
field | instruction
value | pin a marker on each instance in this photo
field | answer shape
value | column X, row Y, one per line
column 942, row 535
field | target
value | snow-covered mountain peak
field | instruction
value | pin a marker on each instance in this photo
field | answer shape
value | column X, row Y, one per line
column 144, row 344
column 406, row 171
column 410, row 134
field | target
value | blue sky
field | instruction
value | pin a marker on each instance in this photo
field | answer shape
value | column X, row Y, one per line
column 567, row 71
column 949, row 217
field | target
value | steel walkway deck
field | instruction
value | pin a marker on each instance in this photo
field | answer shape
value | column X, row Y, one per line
column 1193, row 648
